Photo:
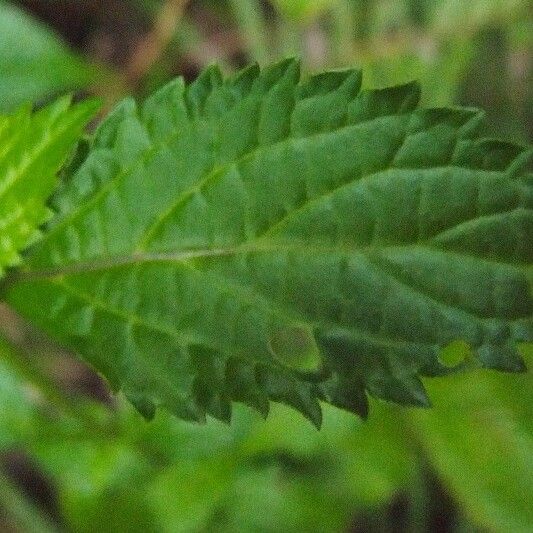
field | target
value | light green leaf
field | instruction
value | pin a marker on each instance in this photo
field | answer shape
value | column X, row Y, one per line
column 265, row 238
column 33, row 147
column 479, row 438
column 34, row 63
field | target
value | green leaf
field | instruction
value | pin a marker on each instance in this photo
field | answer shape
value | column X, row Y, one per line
column 33, row 147
column 265, row 238
column 34, row 63
column 479, row 438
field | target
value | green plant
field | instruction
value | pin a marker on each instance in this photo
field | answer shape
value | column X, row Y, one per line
column 263, row 237
column 29, row 52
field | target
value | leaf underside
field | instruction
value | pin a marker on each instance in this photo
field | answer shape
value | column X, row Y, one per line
column 33, row 147
column 264, row 238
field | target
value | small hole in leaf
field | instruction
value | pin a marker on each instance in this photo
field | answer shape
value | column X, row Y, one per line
column 454, row 354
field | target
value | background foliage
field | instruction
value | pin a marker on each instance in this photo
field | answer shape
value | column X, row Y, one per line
column 76, row 459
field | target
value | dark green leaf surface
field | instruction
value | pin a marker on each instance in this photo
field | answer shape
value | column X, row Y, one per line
column 33, row 147
column 265, row 238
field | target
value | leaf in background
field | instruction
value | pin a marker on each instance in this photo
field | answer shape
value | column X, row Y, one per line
column 440, row 75
column 34, row 63
column 479, row 438
column 33, row 147
column 265, row 238
column 188, row 477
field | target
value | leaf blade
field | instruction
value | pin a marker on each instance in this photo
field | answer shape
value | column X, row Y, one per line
column 229, row 214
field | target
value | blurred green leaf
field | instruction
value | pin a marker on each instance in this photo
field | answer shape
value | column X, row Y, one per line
column 34, row 63
column 200, row 478
column 171, row 476
column 101, row 481
column 34, row 146
column 479, row 438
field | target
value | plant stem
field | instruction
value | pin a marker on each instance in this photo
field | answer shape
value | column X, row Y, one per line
column 24, row 515
column 252, row 24
column 420, row 498
column 152, row 46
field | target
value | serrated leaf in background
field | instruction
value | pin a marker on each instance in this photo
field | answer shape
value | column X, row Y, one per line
column 269, row 238
column 33, row 147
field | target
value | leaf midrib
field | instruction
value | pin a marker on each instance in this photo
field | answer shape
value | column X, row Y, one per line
column 261, row 244
column 120, row 261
